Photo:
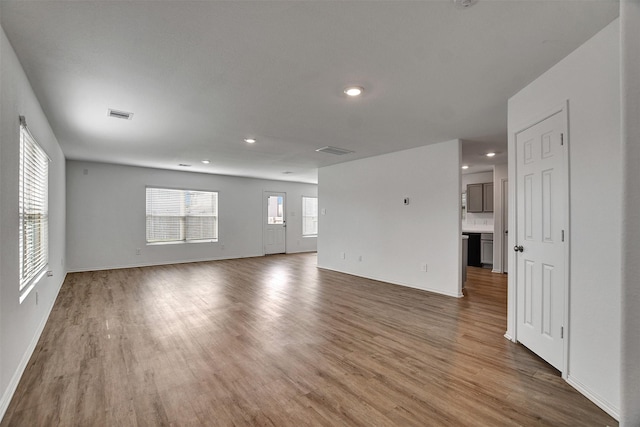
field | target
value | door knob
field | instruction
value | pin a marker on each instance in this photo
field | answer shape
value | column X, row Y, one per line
column 518, row 248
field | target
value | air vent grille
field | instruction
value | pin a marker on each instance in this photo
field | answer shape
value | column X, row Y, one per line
column 119, row 114
column 334, row 150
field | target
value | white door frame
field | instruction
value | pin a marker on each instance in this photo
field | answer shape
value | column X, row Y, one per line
column 504, row 182
column 512, row 306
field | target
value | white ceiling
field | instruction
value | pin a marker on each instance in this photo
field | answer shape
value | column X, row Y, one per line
column 201, row 76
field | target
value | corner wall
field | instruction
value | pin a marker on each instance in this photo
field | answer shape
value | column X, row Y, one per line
column 589, row 78
column 21, row 324
column 630, row 88
column 106, row 216
column 364, row 216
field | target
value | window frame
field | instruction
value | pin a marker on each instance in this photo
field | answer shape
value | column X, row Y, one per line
column 33, row 202
column 309, row 216
column 184, row 232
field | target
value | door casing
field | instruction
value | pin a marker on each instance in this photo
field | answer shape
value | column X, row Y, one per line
column 512, row 306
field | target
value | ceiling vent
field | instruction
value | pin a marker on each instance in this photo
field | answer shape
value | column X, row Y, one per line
column 334, row 150
column 119, row 114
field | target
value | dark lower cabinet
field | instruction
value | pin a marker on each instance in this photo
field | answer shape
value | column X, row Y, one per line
column 473, row 254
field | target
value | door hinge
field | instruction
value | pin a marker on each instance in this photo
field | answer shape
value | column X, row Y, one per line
column 561, row 331
column 562, row 139
column 563, row 235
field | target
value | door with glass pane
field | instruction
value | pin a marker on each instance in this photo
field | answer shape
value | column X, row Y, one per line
column 275, row 224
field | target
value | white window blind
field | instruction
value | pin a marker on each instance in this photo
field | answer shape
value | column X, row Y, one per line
column 33, row 208
column 309, row 216
column 181, row 215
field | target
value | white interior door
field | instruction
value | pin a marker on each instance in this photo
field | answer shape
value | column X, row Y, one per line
column 275, row 224
column 540, row 253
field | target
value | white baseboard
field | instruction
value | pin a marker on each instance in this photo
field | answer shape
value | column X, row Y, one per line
column 594, row 397
column 17, row 375
column 382, row 279
column 152, row 264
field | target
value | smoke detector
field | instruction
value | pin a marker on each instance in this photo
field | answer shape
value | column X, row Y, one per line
column 464, row 4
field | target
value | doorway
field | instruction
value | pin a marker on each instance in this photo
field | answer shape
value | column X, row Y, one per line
column 275, row 223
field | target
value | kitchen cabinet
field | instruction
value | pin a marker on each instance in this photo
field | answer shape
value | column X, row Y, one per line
column 473, row 249
column 480, row 197
column 487, row 197
column 486, row 248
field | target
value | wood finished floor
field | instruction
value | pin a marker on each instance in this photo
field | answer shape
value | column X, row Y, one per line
column 277, row 341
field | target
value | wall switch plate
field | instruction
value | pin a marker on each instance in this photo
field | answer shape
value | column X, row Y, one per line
column 423, row 267
column 137, row 251
column 323, row 211
column 360, row 258
column 343, row 255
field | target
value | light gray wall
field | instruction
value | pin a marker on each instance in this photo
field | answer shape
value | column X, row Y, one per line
column 21, row 324
column 630, row 67
column 365, row 216
column 106, row 216
column 589, row 79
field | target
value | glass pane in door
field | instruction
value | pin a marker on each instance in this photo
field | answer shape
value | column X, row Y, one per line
column 275, row 210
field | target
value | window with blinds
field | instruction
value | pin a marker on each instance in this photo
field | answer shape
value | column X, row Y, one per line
column 181, row 215
column 309, row 216
column 33, row 210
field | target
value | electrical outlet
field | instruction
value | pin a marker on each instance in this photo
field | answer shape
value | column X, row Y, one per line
column 423, row 267
column 50, row 273
column 137, row 251
column 222, row 247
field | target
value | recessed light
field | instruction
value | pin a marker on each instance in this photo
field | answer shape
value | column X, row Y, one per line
column 353, row 91
column 465, row 166
column 490, row 154
column 206, row 162
column 250, row 140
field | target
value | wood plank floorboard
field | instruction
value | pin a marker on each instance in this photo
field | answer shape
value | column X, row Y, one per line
column 275, row 341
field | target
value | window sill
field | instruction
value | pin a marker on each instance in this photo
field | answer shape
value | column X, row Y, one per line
column 181, row 242
column 309, row 235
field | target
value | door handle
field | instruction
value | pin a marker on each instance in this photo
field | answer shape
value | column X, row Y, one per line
column 518, row 248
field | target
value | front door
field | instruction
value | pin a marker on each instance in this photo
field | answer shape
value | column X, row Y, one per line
column 541, row 203
column 274, row 223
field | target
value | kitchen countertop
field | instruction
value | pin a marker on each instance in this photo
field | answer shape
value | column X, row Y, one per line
column 477, row 230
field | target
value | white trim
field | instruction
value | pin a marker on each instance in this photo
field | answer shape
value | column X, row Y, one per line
column 594, row 397
column 153, row 264
column 513, row 199
column 397, row 283
column 17, row 375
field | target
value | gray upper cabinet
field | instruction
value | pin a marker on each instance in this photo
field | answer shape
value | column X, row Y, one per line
column 487, row 199
column 480, row 197
column 474, row 198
